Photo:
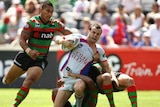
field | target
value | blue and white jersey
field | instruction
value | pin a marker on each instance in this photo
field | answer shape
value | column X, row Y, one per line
column 80, row 58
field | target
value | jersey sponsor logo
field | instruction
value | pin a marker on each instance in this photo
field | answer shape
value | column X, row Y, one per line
column 46, row 35
column 43, row 35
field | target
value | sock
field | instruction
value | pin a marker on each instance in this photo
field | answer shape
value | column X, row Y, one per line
column 4, row 80
column 90, row 99
column 79, row 100
column 21, row 95
column 132, row 94
column 108, row 90
column 53, row 98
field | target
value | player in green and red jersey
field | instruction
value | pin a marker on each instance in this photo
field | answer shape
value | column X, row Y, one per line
column 35, row 41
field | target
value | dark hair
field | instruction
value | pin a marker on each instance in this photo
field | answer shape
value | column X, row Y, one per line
column 47, row 3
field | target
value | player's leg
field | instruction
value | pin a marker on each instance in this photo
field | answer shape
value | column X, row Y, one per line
column 79, row 88
column 105, row 83
column 62, row 98
column 91, row 93
column 90, row 99
column 128, row 82
column 33, row 74
column 54, row 93
column 16, row 69
column 13, row 73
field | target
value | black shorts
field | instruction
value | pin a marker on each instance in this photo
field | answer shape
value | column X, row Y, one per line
column 24, row 61
column 94, row 72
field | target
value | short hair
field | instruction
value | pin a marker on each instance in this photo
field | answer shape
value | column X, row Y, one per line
column 47, row 3
column 96, row 25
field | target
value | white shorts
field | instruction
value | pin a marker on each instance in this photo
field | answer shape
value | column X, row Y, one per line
column 68, row 84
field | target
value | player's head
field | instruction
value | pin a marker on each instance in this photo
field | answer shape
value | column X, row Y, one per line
column 46, row 11
column 94, row 33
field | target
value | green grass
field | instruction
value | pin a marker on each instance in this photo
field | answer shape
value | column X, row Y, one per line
column 42, row 98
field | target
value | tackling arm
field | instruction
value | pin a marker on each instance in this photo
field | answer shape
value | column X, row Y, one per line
column 89, row 82
column 108, row 69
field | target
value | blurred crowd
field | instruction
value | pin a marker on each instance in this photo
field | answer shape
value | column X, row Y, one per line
column 133, row 23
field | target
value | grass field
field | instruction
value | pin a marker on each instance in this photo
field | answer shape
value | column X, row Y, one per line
column 42, row 98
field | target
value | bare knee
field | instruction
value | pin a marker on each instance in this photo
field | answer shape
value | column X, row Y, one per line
column 7, row 80
column 28, row 82
column 13, row 73
column 79, row 87
column 106, row 77
column 130, row 81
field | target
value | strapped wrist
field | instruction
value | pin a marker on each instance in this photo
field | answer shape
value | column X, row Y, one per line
column 27, row 50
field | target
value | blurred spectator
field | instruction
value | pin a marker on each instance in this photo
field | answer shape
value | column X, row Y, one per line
column 31, row 8
column 105, row 38
column 119, row 33
column 85, row 24
column 94, row 6
column 69, row 19
column 130, row 5
column 146, row 40
column 2, row 10
column 137, row 39
column 4, row 30
column 154, row 31
column 120, row 12
column 131, row 35
column 137, row 18
column 12, row 9
column 102, row 16
column 150, row 15
column 16, row 24
column 72, row 2
column 80, row 7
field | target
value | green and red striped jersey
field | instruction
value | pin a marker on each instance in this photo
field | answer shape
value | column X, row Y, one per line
column 41, row 34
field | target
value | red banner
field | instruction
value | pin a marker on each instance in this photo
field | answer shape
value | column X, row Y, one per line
column 143, row 64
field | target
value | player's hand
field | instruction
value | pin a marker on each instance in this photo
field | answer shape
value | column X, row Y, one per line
column 71, row 74
column 115, row 81
column 60, row 82
column 96, row 57
column 58, row 39
column 33, row 54
column 68, row 43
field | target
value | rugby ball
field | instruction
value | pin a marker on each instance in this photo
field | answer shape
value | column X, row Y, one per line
column 74, row 41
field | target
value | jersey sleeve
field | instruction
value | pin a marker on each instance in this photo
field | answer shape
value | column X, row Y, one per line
column 102, row 53
column 29, row 26
column 59, row 25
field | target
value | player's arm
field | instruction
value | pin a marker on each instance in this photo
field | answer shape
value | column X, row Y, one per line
column 66, row 31
column 62, row 40
column 107, row 68
column 23, row 43
column 23, row 40
column 68, row 42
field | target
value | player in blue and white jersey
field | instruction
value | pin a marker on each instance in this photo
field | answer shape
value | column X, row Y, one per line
column 79, row 60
